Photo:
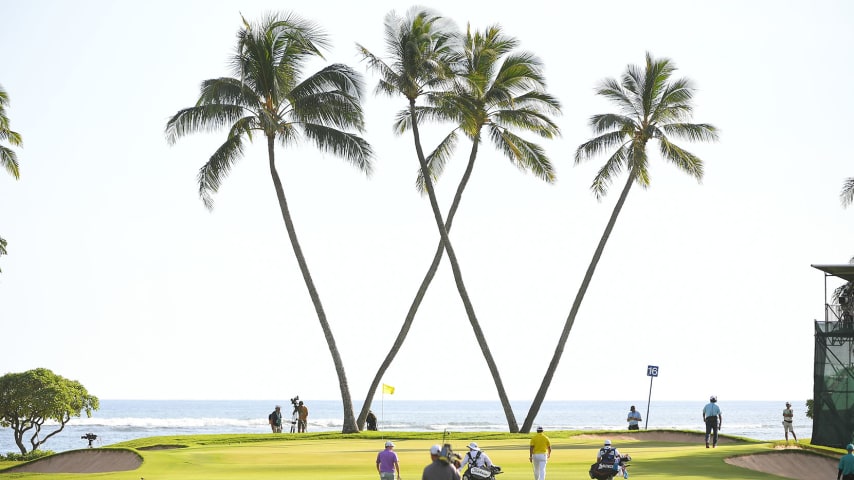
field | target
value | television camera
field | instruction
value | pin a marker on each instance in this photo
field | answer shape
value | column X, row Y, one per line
column 91, row 437
column 295, row 413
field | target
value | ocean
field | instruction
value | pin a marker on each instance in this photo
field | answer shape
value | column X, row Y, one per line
column 122, row 420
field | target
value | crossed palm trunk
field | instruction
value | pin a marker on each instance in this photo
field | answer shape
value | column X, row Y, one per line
column 419, row 296
column 458, row 278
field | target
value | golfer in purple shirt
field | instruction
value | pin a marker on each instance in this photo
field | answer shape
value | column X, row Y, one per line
column 387, row 465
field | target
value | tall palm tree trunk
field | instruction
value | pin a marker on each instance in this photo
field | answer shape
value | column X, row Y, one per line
column 349, row 419
column 547, row 379
column 422, row 290
column 458, row 276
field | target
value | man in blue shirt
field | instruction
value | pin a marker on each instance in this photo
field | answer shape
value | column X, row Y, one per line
column 713, row 419
column 633, row 419
column 846, row 465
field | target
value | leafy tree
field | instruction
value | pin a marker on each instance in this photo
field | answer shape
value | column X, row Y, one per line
column 30, row 398
column 499, row 90
column 847, row 194
column 651, row 107
column 267, row 95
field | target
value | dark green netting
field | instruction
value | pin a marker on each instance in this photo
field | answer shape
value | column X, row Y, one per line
column 833, row 384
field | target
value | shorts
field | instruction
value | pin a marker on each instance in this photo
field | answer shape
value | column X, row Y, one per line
column 787, row 427
column 634, row 427
column 386, row 475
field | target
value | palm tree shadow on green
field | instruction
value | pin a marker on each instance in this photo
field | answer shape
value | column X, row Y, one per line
column 424, row 50
column 268, row 96
column 652, row 107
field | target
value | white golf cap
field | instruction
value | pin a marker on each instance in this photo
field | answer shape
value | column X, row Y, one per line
column 607, row 442
column 435, row 450
column 473, row 446
column 389, row 443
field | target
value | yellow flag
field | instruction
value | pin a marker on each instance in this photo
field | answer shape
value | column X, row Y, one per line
column 388, row 389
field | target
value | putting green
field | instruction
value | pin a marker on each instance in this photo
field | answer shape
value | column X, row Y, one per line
column 327, row 455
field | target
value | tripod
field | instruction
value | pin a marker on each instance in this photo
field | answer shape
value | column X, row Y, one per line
column 294, row 420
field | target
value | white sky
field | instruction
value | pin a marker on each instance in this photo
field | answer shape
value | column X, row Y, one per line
column 117, row 276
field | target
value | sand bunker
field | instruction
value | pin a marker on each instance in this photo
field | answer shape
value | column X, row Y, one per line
column 794, row 464
column 83, row 461
column 659, row 436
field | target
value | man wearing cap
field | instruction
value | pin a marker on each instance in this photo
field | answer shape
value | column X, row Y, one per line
column 439, row 470
column 713, row 419
column 609, row 455
column 633, row 418
column 846, row 465
column 475, row 458
column 788, row 414
column 540, row 452
column 387, row 464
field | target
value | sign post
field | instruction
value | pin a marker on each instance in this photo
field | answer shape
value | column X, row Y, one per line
column 651, row 372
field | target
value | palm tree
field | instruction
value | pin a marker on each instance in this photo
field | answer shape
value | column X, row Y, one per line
column 847, row 194
column 268, row 96
column 8, row 158
column 498, row 97
column 651, row 107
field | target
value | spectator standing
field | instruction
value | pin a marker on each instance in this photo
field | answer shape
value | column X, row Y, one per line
column 302, row 423
column 633, row 418
column 275, row 419
column 788, row 416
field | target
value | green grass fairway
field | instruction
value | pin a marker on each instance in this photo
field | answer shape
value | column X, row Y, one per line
column 329, row 455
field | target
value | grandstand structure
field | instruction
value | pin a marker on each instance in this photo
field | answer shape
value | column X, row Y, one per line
column 833, row 372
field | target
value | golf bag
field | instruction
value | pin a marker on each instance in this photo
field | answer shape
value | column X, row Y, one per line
column 607, row 471
column 482, row 473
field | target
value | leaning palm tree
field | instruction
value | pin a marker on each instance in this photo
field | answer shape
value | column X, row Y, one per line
column 8, row 158
column 268, row 96
column 847, row 194
column 500, row 96
column 651, row 107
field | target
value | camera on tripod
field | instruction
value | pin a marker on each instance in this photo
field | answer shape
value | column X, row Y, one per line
column 295, row 401
column 91, row 437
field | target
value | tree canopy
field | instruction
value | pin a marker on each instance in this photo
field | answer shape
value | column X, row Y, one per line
column 29, row 399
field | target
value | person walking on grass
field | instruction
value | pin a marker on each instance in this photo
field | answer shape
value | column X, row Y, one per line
column 540, row 452
column 713, row 420
column 788, row 414
column 387, row 463
column 846, row 465
column 439, row 469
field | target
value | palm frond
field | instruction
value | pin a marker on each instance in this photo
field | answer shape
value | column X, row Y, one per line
column 526, row 156
column 9, row 161
column 684, row 160
column 600, row 144
column 527, row 119
column 218, row 167
column 436, row 161
column 13, row 138
column 201, row 118
column 847, row 193
column 348, row 146
column 611, row 169
column 613, row 91
column 696, row 132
